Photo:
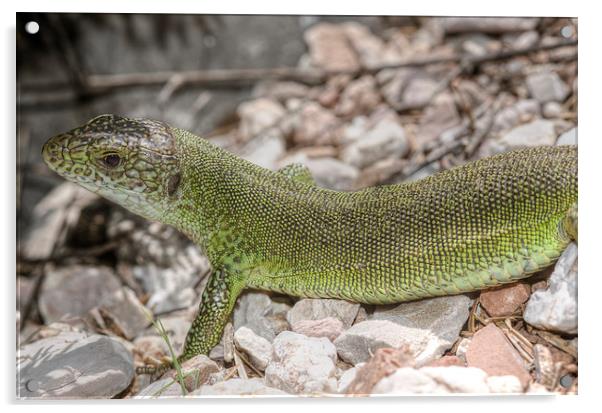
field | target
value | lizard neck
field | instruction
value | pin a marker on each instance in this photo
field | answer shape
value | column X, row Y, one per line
column 220, row 197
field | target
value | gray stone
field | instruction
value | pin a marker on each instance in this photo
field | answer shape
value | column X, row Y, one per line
column 256, row 347
column 256, row 311
column 59, row 210
column 74, row 290
column 238, row 387
column 568, row 138
column 128, row 317
column 359, row 343
column 555, row 308
column 73, row 365
column 318, row 309
column 302, row 365
column 547, row 86
column 167, row 387
column 442, row 316
column 264, row 151
column 171, row 285
column 312, row 124
column 536, row 133
column 385, row 139
column 513, row 115
column 332, row 173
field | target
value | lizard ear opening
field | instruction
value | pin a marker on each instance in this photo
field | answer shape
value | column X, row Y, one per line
column 173, row 184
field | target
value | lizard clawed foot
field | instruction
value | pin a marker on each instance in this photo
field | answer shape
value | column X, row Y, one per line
column 154, row 366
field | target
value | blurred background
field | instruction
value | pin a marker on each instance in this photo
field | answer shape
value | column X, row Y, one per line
column 360, row 100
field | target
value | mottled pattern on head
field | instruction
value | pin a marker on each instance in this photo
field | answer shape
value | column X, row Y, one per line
column 130, row 161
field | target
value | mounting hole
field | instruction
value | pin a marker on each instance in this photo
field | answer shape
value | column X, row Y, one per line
column 567, row 32
column 32, row 27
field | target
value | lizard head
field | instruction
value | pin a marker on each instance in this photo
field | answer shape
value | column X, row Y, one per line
column 131, row 162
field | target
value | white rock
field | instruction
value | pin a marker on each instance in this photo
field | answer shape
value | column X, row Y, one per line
column 547, row 86
column 256, row 347
column 259, row 117
column 347, row 377
column 536, row 133
column 568, row 138
column 72, row 365
column 359, row 343
column 318, row 309
column 332, row 173
column 556, row 307
column 167, row 387
column 302, row 365
column 512, row 116
column 407, row 380
column 264, row 151
column 329, row 47
column 551, row 110
column 459, row 379
column 371, row 50
column 504, row 384
column 385, row 139
column 434, row 380
column 442, row 316
column 238, row 387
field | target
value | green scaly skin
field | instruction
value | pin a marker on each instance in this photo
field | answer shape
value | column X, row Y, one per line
column 476, row 226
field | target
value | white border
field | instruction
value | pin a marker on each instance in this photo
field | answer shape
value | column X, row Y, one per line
column 590, row 160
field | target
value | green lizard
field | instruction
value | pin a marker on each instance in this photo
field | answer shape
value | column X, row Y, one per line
column 489, row 222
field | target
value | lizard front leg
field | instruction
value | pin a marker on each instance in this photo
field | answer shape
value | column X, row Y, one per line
column 217, row 303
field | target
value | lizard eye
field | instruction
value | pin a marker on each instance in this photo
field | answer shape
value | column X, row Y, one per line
column 112, row 160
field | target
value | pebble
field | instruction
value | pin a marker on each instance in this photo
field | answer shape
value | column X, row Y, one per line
column 491, row 351
column 505, row 300
column 547, row 86
column 256, row 347
column 332, row 173
column 370, row 49
column 264, row 151
column 492, row 25
column 433, row 380
column 359, row 343
column 360, row 96
column 62, row 367
column 387, row 138
column 75, row 289
column 260, row 117
column 556, row 307
column 61, row 207
column 302, row 365
column 568, row 138
column 328, row 327
column 318, row 309
column 313, row 124
column 535, row 133
column 238, row 387
column 504, row 384
column 347, row 378
column 329, row 48
column 124, row 314
column 256, row 311
column 552, row 110
column 512, row 116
